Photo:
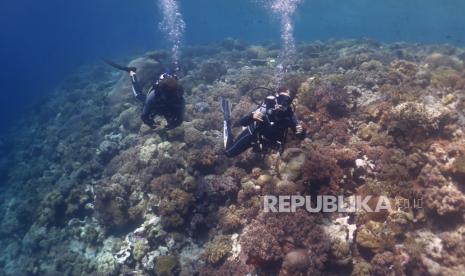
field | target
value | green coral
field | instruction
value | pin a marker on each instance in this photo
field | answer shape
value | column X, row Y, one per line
column 218, row 249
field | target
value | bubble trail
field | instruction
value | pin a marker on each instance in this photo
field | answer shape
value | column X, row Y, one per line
column 284, row 10
column 173, row 26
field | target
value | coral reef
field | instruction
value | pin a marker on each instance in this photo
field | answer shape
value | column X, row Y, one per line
column 87, row 189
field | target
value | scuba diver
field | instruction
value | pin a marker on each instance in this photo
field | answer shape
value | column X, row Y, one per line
column 266, row 127
column 165, row 98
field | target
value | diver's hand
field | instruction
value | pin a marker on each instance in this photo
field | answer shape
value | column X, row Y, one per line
column 257, row 116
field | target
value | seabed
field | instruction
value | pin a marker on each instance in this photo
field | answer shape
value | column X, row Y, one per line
column 89, row 190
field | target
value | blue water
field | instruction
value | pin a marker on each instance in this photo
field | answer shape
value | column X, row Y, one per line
column 43, row 41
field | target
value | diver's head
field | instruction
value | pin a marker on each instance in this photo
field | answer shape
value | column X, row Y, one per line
column 283, row 100
column 167, row 82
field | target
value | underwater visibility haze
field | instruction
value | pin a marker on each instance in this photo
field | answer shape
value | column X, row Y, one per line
column 218, row 137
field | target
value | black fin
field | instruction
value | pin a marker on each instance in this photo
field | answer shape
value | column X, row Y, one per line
column 119, row 67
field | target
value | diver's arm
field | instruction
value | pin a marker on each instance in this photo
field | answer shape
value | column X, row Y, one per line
column 255, row 116
column 246, row 120
column 136, row 89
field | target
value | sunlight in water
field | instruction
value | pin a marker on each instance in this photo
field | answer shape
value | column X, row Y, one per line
column 173, row 26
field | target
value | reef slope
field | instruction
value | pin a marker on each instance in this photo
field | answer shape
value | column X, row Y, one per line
column 88, row 190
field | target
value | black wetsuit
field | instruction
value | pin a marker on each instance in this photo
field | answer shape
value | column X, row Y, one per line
column 157, row 102
column 271, row 133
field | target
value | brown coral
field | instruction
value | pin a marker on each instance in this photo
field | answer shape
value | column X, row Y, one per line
column 271, row 237
column 174, row 208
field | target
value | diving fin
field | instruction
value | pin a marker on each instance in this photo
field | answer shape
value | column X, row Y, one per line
column 226, row 109
column 120, row 67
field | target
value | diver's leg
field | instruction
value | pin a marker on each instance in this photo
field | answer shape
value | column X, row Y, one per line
column 147, row 111
column 243, row 142
column 177, row 118
column 136, row 88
